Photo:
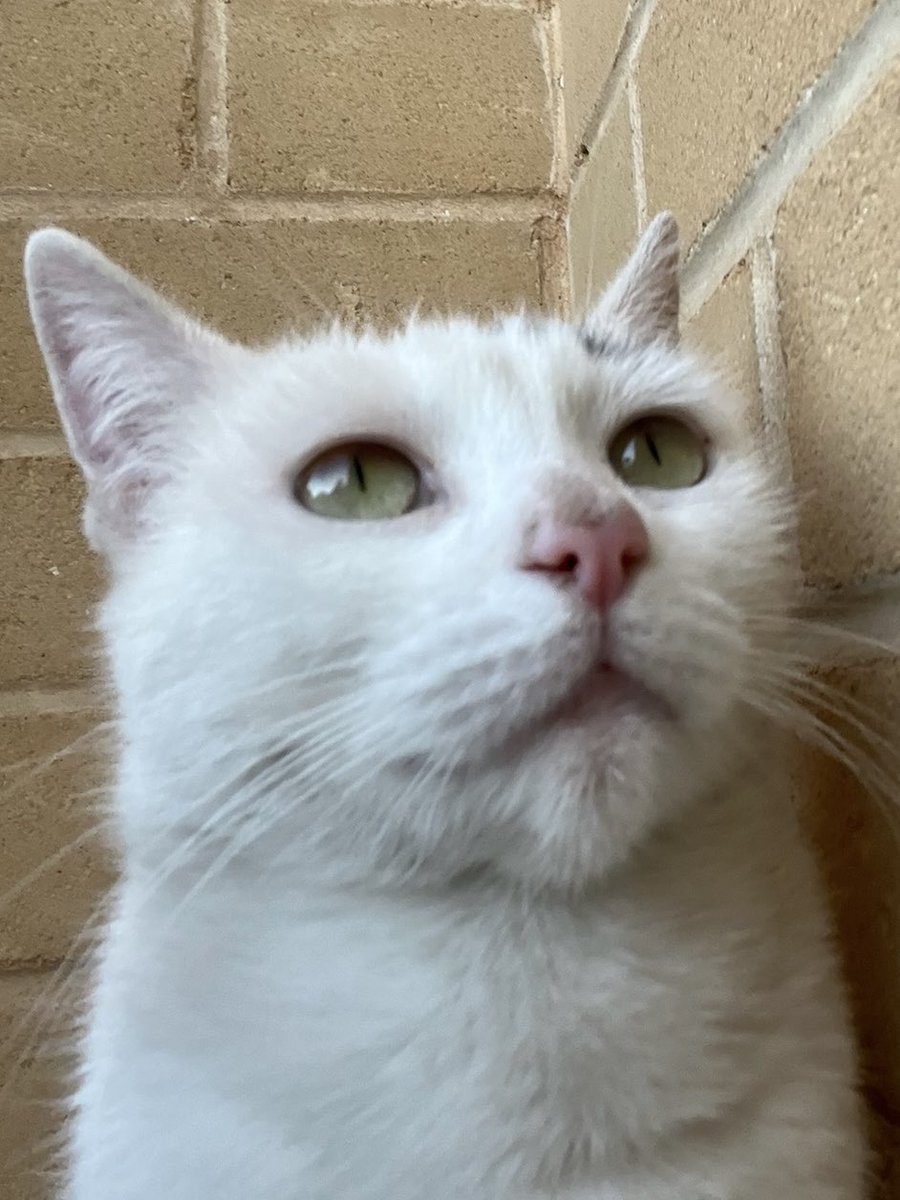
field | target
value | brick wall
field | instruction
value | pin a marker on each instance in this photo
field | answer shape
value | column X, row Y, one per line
column 268, row 162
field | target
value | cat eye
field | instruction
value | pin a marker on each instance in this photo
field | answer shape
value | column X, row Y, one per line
column 359, row 481
column 658, row 452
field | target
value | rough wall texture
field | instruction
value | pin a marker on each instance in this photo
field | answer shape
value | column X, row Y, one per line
column 269, row 163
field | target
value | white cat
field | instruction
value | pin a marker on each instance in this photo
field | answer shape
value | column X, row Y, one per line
column 458, row 861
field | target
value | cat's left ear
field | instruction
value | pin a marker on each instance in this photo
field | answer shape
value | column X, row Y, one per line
column 125, row 367
column 643, row 299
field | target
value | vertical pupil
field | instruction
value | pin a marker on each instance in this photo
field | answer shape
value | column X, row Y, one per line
column 358, row 472
column 651, row 446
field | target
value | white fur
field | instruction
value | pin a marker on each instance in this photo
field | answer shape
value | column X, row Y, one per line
column 388, row 927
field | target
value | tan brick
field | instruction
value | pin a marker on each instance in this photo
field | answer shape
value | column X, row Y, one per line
column 48, row 579
column 717, row 82
column 255, row 279
column 838, row 270
column 854, row 832
column 36, row 1018
column 590, row 36
column 25, row 401
column 409, row 98
column 603, row 220
column 94, row 94
column 724, row 332
column 53, row 867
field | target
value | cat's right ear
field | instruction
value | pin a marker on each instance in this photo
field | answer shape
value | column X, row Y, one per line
column 123, row 364
column 643, row 299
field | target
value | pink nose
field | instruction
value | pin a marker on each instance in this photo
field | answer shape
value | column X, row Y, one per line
column 597, row 559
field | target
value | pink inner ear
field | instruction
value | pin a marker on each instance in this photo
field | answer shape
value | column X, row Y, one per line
column 105, row 438
column 100, row 441
column 115, row 361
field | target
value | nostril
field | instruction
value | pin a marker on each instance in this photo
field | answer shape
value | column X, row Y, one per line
column 598, row 559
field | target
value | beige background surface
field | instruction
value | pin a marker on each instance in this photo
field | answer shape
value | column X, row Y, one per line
column 269, row 162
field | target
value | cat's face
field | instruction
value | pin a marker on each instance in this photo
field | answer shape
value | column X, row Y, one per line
column 413, row 604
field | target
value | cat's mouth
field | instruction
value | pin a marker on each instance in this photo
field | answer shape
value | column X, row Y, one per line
column 606, row 691
column 588, row 693
column 598, row 699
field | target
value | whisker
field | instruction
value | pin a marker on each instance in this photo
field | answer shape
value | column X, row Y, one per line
column 23, row 884
column 55, row 1001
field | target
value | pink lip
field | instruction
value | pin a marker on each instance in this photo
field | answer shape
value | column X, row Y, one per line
column 606, row 688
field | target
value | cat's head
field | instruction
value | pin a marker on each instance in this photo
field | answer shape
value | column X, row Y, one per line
column 468, row 595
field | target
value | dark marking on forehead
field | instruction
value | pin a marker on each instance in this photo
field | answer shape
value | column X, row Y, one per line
column 601, row 345
column 595, row 346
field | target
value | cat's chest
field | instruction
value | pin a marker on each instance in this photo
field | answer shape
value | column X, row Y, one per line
column 352, row 1020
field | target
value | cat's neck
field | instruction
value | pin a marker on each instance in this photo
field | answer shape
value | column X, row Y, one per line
column 182, row 861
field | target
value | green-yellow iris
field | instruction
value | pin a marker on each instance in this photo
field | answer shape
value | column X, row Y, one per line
column 362, row 481
column 658, row 452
